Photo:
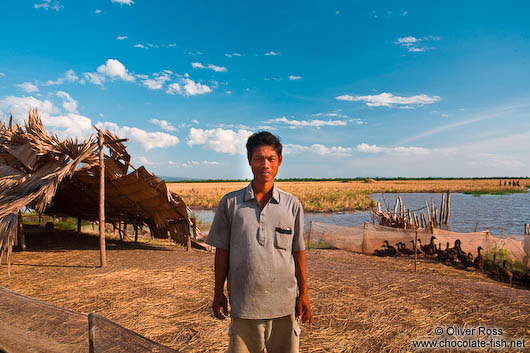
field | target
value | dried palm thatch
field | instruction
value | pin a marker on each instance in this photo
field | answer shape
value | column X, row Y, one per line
column 61, row 178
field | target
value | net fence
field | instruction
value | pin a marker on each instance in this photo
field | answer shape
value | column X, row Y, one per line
column 368, row 237
column 28, row 325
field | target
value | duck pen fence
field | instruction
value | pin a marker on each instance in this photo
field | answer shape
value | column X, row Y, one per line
column 29, row 325
column 367, row 238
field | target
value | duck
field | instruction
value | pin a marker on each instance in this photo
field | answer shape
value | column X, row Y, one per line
column 429, row 249
column 505, row 275
column 404, row 250
column 466, row 260
column 490, row 265
column 390, row 250
column 414, row 247
column 478, row 263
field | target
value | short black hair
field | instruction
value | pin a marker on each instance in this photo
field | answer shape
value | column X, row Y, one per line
column 263, row 138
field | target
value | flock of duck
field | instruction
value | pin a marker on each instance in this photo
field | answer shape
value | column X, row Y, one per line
column 455, row 256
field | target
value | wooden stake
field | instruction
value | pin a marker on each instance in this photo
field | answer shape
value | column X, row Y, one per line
column 448, row 207
column 20, row 233
column 79, row 224
column 102, row 249
column 310, row 231
column 415, row 250
column 135, row 231
column 394, row 216
column 428, row 211
column 442, row 210
column 527, row 229
column 193, row 229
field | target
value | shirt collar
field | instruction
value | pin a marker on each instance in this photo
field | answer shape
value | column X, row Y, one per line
column 249, row 193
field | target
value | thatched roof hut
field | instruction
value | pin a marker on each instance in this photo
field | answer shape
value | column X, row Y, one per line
column 61, row 178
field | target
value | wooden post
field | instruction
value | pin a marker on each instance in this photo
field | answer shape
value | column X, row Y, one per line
column 20, row 233
column 310, row 231
column 193, row 229
column 102, row 250
column 135, row 231
column 442, row 210
column 79, row 224
column 527, row 229
column 415, row 250
column 428, row 211
column 394, row 216
column 448, row 207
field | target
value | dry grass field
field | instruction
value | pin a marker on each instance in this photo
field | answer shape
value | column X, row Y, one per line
column 329, row 196
column 360, row 303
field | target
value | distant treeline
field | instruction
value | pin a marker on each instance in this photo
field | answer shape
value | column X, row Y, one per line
column 343, row 179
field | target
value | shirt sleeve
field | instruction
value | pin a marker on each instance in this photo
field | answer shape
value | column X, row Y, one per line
column 219, row 235
column 298, row 238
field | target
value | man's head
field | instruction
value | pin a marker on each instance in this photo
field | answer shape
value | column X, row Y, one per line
column 264, row 153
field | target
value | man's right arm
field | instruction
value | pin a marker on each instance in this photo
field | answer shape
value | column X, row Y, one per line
column 220, row 303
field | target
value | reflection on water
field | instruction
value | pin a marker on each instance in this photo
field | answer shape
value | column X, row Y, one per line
column 501, row 214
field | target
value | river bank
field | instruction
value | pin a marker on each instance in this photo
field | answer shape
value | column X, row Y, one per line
column 340, row 196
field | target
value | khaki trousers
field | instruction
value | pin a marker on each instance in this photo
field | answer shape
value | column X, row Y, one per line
column 280, row 335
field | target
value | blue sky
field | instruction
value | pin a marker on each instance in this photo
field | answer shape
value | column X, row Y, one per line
column 352, row 89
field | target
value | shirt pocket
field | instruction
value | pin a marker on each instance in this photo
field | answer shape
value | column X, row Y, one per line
column 283, row 237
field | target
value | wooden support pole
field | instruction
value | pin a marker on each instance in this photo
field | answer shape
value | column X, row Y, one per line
column 194, row 231
column 416, row 220
column 102, row 249
column 79, row 224
column 394, row 216
column 20, row 233
column 424, row 220
column 433, row 221
column 442, row 210
column 415, row 250
column 428, row 211
column 310, row 231
column 135, row 231
column 527, row 229
column 448, row 207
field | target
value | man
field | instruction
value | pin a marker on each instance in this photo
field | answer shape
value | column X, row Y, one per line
column 258, row 235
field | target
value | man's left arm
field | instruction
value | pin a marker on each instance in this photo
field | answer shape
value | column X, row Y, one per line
column 303, row 309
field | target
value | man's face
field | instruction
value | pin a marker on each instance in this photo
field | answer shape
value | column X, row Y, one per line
column 264, row 163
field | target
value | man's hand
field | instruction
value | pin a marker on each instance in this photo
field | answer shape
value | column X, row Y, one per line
column 220, row 306
column 303, row 309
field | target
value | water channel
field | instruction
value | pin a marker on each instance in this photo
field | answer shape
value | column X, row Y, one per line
column 501, row 214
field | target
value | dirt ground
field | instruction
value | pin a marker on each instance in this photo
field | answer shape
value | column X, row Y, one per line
column 360, row 303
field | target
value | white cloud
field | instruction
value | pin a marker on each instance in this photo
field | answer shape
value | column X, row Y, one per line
column 140, row 46
column 197, row 65
column 174, row 88
column 389, row 100
column 307, row 123
column 115, row 69
column 366, row 148
column 69, row 104
column 28, row 87
column 2, row 74
column 413, row 44
column 148, row 140
column 335, row 114
column 69, row 76
column 321, row 150
column 192, row 163
column 97, row 11
column 123, row 2
column 172, row 45
column 121, row 37
column 272, row 53
column 220, row 140
column 49, row 5
column 144, row 161
column 193, row 88
column 94, row 77
column 20, row 106
column 112, row 69
column 163, row 124
column 404, row 13
column 233, row 54
column 158, row 81
column 294, row 78
column 195, row 121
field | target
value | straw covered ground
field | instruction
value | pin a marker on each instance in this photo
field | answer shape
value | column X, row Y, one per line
column 360, row 303
column 329, row 196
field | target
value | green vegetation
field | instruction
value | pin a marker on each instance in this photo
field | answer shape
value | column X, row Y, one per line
column 64, row 223
column 495, row 192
